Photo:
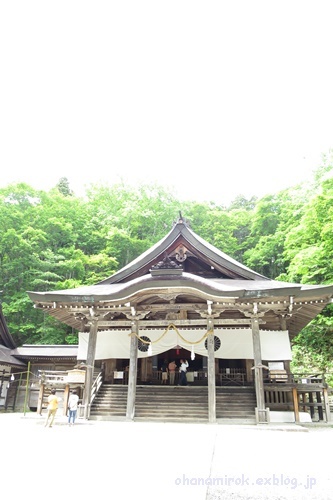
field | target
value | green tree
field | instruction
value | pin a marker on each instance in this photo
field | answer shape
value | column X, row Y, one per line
column 63, row 187
column 55, row 240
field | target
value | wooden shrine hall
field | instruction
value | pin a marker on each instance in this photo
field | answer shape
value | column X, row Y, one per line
column 185, row 294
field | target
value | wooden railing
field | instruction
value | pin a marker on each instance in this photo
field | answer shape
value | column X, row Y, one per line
column 297, row 392
column 97, row 383
column 231, row 376
column 282, row 376
column 96, row 386
column 312, row 397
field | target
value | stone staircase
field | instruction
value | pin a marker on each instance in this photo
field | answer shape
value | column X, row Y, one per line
column 175, row 403
column 236, row 405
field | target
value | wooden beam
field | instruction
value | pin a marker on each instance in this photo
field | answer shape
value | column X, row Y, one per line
column 177, row 322
column 280, row 307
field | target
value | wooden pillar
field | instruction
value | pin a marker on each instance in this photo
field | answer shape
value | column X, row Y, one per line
column 143, row 370
column 320, row 408
column 327, row 405
column 146, row 369
column 40, row 399
column 149, row 369
column 132, row 375
column 217, row 369
column 90, row 365
column 211, row 373
column 312, row 410
column 258, row 375
column 296, row 408
column 249, row 371
column 110, row 367
column 283, row 322
column 66, row 397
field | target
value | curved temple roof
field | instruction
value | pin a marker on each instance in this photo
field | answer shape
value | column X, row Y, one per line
column 181, row 236
column 181, row 273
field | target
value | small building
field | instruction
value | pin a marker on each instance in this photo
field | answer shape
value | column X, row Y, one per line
column 9, row 364
column 22, row 370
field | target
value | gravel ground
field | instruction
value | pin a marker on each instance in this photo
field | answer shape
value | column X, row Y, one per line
column 127, row 460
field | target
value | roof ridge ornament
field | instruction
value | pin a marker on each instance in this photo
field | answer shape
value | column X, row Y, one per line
column 181, row 220
column 166, row 266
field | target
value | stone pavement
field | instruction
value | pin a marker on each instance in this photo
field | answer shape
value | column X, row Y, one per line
column 125, row 460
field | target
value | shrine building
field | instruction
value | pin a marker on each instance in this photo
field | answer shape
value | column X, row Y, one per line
column 185, row 299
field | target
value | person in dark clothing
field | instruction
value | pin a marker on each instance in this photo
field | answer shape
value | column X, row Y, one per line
column 164, row 370
column 182, row 372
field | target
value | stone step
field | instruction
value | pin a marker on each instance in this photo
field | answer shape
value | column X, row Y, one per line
column 175, row 403
column 163, row 403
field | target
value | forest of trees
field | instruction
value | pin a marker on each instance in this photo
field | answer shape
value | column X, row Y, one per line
column 56, row 240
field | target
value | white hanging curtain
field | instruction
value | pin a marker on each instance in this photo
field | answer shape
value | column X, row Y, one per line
column 229, row 343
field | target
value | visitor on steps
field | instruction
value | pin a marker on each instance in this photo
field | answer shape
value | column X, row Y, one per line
column 182, row 372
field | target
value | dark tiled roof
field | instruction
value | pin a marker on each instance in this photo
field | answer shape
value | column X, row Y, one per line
column 7, row 358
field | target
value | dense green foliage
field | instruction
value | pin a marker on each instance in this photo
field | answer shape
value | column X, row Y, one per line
column 55, row 240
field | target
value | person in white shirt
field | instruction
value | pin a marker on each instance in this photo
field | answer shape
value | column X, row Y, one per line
column 182, row 372
column 72, row 407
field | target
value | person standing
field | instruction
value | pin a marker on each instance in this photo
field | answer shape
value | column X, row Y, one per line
column 72, row 407
column 172, row 372
column 164, row 370
column 52, row 407
column 182, row 372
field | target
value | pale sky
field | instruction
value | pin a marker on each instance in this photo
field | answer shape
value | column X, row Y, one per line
column 211, row 98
